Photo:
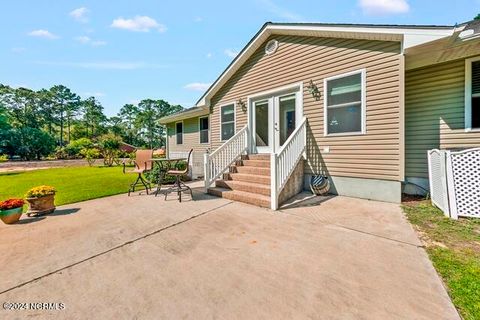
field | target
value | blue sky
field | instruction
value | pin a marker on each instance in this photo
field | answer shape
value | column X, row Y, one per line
column 123, row 51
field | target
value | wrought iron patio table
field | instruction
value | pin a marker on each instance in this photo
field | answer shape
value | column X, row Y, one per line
column 164, row 165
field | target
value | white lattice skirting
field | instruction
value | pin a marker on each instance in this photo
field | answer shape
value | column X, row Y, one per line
column 455, row 181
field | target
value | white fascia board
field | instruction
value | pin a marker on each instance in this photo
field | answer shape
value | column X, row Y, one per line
column 363, row 29
column 184, row 115
column 411, row 36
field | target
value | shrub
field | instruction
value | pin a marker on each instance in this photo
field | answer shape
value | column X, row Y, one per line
column 109, row 145
column 74, row 148
column 131, row 158
column 90, row 154
column 3, row 158
column 41, row 191
column 61, row 153
column 11, row 204
column 152, row 175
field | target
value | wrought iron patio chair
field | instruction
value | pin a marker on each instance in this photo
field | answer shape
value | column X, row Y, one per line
column 179, row 186
column 143, row 164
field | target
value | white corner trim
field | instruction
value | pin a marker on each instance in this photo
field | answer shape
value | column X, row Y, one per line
column 200, row 129
column 468, row 94
column 167, row 144
column 234, row 117
column 183, row 130
column 363, row 73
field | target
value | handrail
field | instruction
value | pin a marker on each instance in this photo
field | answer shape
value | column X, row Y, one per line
column 220, row 160
column 229, row 141
column 292, row 136
column 283, row 163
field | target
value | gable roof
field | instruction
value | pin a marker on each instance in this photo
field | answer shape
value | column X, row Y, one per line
column 409, row 35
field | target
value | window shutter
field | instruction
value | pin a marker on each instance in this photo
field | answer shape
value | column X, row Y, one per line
column 476, row 77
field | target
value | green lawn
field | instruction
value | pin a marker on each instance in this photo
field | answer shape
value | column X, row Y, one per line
column 73, row 184
column 454, row 248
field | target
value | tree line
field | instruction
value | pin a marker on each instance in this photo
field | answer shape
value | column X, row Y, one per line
column 37, row 124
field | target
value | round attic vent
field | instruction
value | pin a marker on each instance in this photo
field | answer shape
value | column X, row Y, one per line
column 271, row 47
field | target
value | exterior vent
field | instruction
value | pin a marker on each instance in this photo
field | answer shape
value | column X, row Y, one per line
column 271, row 47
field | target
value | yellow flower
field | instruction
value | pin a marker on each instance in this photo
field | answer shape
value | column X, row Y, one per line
column 40, row 191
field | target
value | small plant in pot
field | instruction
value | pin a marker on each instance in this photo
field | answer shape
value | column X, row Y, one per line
column 11, row 210
column 41, row 200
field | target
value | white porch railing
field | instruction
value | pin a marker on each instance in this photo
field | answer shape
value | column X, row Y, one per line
column 285, row 160
column 219, row 161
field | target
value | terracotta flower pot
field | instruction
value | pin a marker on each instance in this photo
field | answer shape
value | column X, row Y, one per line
column 41, row 206
column 11, row 216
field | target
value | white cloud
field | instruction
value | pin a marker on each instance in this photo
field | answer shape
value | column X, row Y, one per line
column 83, row 39
column 198, row 86
column 88, row 40
column 104, row 65
column 41, row 33
column 280, row 11
column 209, row 55
column 383, row 7
column 80, row 14
column 232, row 53
column 138, row 24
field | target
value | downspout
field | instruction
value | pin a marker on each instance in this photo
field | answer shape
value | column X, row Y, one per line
column 401, row 92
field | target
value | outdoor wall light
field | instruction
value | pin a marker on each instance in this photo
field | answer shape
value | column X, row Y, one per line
column 242, row 105
column 313, row 89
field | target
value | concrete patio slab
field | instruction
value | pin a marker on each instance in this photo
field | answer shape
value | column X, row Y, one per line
column 144, row 258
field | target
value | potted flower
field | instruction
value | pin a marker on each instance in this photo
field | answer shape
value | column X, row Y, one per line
column 41, row 200
column 11, row 210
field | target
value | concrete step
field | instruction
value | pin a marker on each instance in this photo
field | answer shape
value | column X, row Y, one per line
column 261, row 156
column 256, row 163
column 241, row 196
column 252, row 170
column 256, row 188
column 265, row 180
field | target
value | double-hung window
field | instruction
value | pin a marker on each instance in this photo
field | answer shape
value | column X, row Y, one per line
column 344, row 105
column 227, row 121
column 179, row 132
column 472, row 94
column 203, row 126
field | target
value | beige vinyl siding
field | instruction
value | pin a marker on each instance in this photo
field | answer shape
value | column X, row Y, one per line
column 191, row 139
column 435, row 114
column 374, row 155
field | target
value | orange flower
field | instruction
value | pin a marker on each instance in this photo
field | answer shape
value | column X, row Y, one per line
column 11, row 204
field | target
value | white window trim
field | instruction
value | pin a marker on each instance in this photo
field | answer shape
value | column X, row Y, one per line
column 200, row 130
column 289, row 88
column 183, row 131
column 468, row 95
column 234, row 118
column 363, row 73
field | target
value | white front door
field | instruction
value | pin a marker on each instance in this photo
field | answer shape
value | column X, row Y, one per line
column 274, row 118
